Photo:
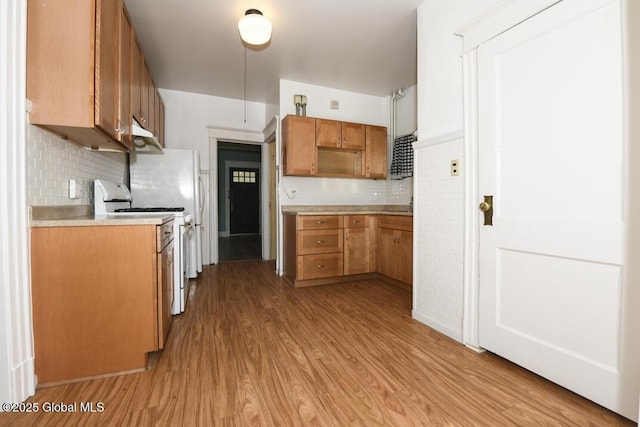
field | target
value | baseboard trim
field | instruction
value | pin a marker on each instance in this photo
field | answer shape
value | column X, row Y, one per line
column 437, row 325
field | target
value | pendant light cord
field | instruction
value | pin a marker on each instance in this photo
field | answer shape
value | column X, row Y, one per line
column 245, row 84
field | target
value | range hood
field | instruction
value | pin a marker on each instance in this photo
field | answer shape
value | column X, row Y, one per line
column 143, row 140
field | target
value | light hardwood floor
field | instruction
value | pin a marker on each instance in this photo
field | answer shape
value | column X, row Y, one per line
column 252, row 350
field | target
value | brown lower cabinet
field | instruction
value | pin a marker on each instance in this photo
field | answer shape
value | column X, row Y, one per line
column 395, row 247
column 322, row 249
column 101, row 298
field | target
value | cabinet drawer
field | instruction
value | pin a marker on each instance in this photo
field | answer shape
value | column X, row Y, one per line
column 396, row 222
column 318, row 266
column 317, row 222
column 319, row 241
column 356, row 221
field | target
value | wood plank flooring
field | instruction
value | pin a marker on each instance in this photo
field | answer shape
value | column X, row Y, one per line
column 252, row 351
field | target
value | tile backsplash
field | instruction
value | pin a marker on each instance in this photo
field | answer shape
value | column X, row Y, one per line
column 340, row 191
column 52, row 162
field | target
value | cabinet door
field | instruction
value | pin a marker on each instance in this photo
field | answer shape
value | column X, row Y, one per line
column 165, row 293
column 328, row 133
column 387, row 252
column 136, row 80
column 145, row 90
column 376, row 152
column 152, row 105
column 107, row 93
column 156, row 111
column 161, row 122
column 353, row 136
column 124, row 121
column 299, row 142
column 405, row 257
column 356, row 251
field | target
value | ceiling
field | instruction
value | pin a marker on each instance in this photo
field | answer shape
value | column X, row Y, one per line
column 364, row 46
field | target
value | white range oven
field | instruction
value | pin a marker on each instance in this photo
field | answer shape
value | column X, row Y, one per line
column 113, row 199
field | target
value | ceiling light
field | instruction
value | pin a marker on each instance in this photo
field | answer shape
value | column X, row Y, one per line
column 254, row 28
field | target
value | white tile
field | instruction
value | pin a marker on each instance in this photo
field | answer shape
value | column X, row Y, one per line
column 52, row 161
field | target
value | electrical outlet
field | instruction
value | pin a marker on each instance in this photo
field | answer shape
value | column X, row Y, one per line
column 335, row 104
column 455, row 167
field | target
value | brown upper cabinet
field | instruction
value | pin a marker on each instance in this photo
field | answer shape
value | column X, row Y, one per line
column 142, row 90
column 124, row 122
column 81, row 78
column 335, row 134
column 376, row 152
column 161, row 119
column 107, row 90
column 299, row 142
column 137, row 62
column 73, row 70
column 330, row 148
column 146, row 96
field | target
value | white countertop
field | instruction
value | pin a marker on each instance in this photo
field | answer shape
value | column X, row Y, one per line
column 403, row 210
column 80, row 216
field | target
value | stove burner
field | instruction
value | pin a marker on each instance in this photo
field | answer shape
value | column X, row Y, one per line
column 150, row 210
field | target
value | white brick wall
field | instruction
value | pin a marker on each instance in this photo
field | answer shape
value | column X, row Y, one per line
column 339, row 191
column 52, row 162
column 438, row 237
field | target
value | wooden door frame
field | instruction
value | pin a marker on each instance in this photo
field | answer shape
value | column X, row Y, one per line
column 226, row 135
column 478, row 31
column 262, row 138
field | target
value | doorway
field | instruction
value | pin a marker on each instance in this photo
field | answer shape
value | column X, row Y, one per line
column 239, row 206
column 244, row 200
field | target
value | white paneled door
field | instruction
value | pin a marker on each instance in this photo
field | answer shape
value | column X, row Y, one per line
column 551, row 155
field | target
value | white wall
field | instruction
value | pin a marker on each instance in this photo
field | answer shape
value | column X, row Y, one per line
column 188, row 116
column 440, row 106
column 439, row 197
column 354, row 107
column 407, row 112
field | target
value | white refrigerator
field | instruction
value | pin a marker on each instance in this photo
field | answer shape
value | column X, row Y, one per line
column 171, row 179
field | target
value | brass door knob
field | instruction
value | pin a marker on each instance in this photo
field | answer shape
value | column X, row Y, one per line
column 484, row 207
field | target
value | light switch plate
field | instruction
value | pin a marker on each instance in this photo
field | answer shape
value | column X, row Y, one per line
column 73, row 190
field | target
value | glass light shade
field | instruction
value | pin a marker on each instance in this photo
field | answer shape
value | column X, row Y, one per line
column 254, row 28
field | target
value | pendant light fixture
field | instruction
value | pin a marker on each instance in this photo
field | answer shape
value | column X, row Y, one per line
column 254, row 28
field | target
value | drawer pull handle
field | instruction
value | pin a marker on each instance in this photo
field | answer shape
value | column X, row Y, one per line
column 320, row 241
column 320, row 266
column 320, row 222
column 356, row 221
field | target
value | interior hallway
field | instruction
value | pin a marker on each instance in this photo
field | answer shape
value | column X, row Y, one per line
column 252, row 350
column 241, row 247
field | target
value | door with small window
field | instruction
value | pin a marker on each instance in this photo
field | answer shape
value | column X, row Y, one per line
column 244, row 200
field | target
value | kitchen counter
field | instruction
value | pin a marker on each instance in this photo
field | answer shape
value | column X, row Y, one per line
column 81, row 216
column 101, row 291
column 403, row 210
